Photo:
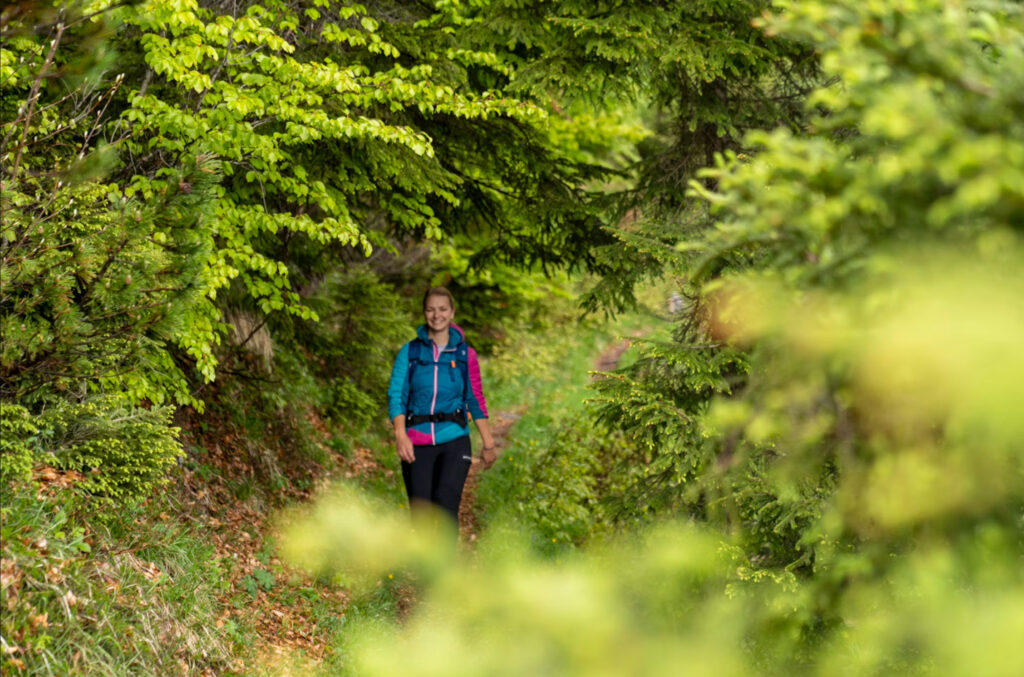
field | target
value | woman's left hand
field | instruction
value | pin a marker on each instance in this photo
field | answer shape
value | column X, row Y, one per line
column 489, row 454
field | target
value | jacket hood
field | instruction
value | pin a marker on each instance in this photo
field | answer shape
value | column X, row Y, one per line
column 455, row 334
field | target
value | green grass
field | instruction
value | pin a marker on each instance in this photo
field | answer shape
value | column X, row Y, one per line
column 541, row 481
column 139, row 592
column 105, row 594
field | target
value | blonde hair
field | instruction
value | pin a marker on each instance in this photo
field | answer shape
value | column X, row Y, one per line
column 438, row 291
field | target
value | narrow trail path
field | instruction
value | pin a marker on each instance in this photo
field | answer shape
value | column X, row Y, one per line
column 501, row 424
column 609, row 359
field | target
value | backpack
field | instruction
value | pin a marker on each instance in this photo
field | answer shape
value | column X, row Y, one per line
column 416, row 358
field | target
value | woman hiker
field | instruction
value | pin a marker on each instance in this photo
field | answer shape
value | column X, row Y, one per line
column 435, row 390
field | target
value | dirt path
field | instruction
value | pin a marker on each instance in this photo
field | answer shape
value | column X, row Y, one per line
column 609, row 359
column 501, row 424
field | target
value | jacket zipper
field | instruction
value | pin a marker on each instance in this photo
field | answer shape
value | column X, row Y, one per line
column 433, row 402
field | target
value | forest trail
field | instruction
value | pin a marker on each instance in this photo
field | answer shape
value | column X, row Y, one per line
column 501, row 424
column 609, row 359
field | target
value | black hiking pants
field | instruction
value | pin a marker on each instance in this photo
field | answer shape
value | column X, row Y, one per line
column 438, row 474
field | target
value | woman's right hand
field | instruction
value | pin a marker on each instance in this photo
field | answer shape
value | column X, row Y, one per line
column 404, row 446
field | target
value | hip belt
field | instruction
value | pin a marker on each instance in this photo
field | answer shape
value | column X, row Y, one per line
column 457, row 416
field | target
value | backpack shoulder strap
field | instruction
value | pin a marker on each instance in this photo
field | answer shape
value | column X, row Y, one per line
column 414, row 359
column 462, row 358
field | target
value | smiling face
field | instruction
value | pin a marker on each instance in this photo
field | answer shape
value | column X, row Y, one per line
column 438, row 312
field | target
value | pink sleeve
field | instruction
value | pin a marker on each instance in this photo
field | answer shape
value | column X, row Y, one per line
column 476, row 385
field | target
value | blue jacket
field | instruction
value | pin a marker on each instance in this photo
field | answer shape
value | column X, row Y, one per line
column 437, row 387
